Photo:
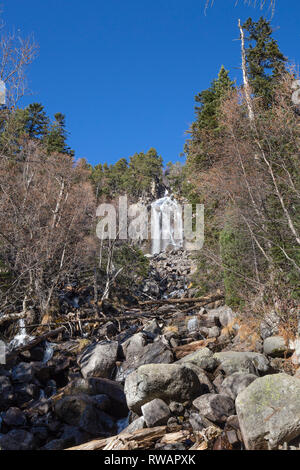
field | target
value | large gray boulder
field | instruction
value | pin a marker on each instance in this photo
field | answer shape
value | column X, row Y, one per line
column 139, row 353
column 97, row 386
column 275, row 346
column 249, row 362
column 156, row 413
column 202, row 358
column 269, row 411
column 99, row 360
column 170, row 382
column 215, row 407
column 236, row 383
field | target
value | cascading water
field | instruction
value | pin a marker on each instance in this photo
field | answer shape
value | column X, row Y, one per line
column 166, row 224
column 21, row 337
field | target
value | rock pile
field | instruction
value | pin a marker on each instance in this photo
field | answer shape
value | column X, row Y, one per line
column 171, row 380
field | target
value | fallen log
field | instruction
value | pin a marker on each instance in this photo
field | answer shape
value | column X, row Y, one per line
column 197, row 300
column 141, row 438
column 35, row 341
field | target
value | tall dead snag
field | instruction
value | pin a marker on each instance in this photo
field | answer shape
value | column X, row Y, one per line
column 245, row 75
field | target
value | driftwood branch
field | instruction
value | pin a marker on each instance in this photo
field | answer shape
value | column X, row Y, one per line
column 141, row 438
column 197, row 300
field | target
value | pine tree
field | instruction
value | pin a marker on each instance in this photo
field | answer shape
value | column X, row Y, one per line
column 210, row 101
column 37, row 121
column 265, row 62
column 56, row 140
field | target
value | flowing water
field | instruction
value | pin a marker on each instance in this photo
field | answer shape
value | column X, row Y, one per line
column 166, row 224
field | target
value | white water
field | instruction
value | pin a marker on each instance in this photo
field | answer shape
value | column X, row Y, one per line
column 166, row 224
column 21, row 337
column 48, row 352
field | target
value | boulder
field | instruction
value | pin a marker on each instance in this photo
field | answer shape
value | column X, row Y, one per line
column 14, row 418
column 97, row 386
column 236, row 383
column 213, row 332
column 269, row 411
column 269, row 325
column 99, row 360
column 6, row 393
column 157, row 352
column 216, row 408
column 156, row 413
column 250, row 362
column 170, row 382
column 275, row 346
column 17, row 439
column 82, row 411
column 136, row 425
column 202, row 358
column 226, row 316
column 206, row 385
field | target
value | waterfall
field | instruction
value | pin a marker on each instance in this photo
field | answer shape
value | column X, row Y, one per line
column 166, row 224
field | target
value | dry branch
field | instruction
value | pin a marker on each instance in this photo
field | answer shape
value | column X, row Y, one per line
column 141, row 439
column 198, row 300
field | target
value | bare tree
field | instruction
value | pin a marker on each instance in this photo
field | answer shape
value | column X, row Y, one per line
column 16, row 53
column 47, row 207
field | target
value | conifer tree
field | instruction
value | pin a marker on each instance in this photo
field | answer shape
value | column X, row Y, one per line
column 56, row 140
column 37, row 121
column 265, row 62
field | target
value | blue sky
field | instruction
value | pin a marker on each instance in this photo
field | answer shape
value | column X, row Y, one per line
column 125, row 72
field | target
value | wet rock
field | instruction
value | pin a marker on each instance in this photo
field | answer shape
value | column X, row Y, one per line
column 170, row 382
column 17, row 439
column 269, row 411
column 99, row 360
column 250, row 362
column 236, row 383
column 156, row 413
column 275, row 346
column 14, row 418
column 215, row 407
